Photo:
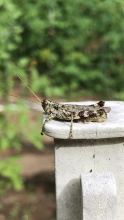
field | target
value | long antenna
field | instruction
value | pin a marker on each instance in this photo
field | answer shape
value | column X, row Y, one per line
column 22, row 98
column 29, row 88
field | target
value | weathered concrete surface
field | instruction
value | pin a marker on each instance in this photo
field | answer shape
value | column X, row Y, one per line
column 98, row 196
column 76, row 157
column 112, row 127
column 95, row 148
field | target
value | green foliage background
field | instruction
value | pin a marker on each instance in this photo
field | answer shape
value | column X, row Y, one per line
column 65, row 48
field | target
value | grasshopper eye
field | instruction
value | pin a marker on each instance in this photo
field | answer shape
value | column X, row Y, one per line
column 44, row 103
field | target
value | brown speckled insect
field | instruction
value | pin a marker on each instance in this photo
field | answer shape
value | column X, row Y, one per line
column 73, row 113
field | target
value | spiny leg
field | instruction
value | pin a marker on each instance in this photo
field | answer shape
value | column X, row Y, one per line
column 70, row 135
column 48, row 119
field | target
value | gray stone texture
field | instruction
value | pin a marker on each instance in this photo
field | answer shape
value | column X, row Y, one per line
column 95, row 148
column 98, row 196
column 76, row 157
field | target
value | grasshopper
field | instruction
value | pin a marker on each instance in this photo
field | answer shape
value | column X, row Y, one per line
column 74, row 113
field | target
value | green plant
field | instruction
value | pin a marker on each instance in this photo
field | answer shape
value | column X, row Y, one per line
column 14, row 127
column 63, row 46
column 73, row 46
column 11, row 173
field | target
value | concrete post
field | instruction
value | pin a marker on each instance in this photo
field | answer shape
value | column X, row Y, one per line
column 98, row 196
column 95, row 148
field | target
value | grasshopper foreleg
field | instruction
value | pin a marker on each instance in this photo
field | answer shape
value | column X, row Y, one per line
column 48, row 119
column 70, row 135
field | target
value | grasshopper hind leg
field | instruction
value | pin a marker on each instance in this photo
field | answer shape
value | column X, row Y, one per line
column 48, row 119
column 71, row 135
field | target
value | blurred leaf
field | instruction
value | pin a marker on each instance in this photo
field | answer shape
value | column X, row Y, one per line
column 4, row 143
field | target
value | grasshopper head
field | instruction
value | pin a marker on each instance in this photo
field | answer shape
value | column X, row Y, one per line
column 46, row 106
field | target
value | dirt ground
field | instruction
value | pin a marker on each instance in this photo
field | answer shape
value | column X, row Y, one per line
column 37, row 200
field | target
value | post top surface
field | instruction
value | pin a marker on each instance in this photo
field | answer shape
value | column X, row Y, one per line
column 111, row 128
